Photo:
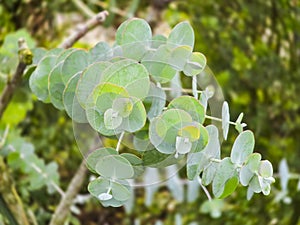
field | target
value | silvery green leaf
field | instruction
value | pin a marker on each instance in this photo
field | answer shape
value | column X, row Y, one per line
column 183, row 145
column 265, row 169
column 284, row 174
column 225, row 119
column 242, row 147
column 112, row 120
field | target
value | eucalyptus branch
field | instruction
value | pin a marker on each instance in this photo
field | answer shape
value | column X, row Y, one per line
column 39, row 170
column 219, row 119
column 25, row 58
column 120, row 141
column 90, row 24
column 189, row 91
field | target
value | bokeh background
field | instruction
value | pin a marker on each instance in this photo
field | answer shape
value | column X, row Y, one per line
column 253, row 48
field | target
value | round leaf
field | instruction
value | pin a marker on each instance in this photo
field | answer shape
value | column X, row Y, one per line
column 230, row 186
column 242, row 147
column 112, row 120
column 182, row 34
column 130, row 75
column 225, row 172
column 76, row 61
column 191, row 132
column 190, row 105
column 134, row 37
column 70, row 101
column 100, row 52
column 115, row 167
column 137, row 117
column 195, row 65
column 123, row 106
column 38, row 80
column 100, row 100
column 97, row 154
column 265, row 169
column 163, row 130
column 88, row 80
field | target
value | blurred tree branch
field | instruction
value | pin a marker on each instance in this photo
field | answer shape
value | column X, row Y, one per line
column 25, row 58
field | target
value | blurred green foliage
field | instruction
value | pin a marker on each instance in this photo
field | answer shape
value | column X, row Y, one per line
column 253, row 47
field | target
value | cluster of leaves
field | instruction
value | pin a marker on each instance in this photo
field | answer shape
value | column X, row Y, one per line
column 118, row 91
column 22, row 159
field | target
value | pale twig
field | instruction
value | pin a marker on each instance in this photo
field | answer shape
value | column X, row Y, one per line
column 120, row 141
column 90, row 24
column 61, row 213
column 189, row 91
column 204, row 189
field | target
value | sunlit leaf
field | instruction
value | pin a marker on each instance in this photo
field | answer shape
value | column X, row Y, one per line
column 265, row 169
column 182, row 34
column 192, row 132
column 191, row 106
column 123, row 106
column 137, row 117
column 230, row 186
column 99, row 101
column 163, row 129
column 195, row 64
column 242, row 147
